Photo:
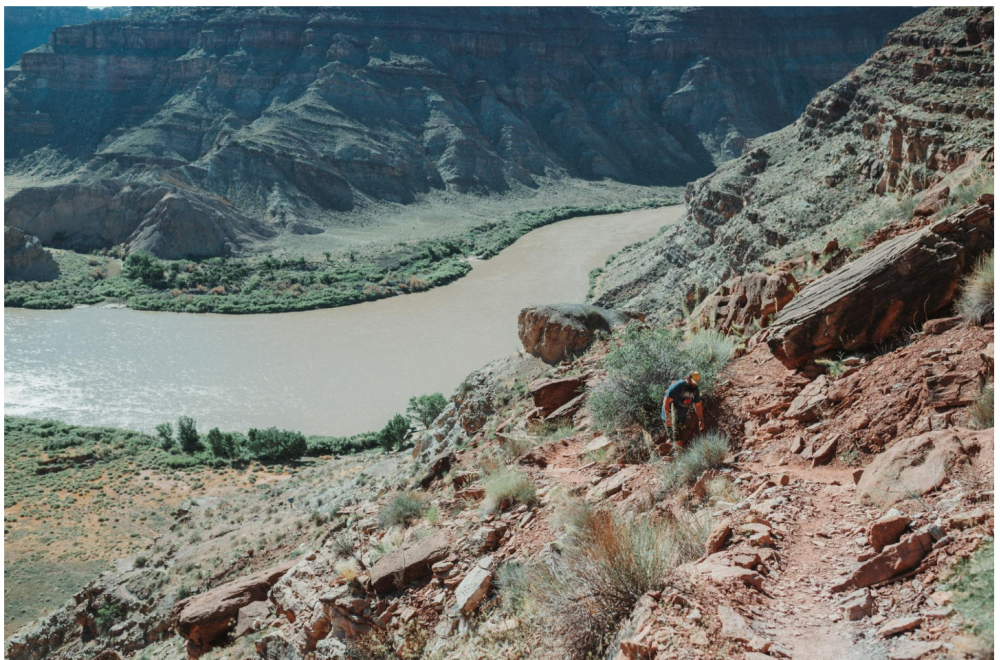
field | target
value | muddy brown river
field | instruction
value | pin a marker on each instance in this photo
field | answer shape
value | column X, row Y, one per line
column 334, row 371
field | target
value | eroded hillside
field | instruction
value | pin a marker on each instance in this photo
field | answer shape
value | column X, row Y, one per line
column 206, row 131
column 858, row 158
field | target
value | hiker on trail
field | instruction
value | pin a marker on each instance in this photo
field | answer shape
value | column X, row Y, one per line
column 677, row 403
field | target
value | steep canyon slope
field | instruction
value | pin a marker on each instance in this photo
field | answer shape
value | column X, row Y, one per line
column 864, row 149
column 207, row 131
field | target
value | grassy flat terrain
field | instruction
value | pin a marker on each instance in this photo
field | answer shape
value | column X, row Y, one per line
column 434, row 250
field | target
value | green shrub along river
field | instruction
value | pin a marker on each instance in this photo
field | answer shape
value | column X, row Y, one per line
column 255, row 285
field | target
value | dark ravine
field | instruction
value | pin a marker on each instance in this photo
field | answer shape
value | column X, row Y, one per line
column 230, row 124
column 863, row 151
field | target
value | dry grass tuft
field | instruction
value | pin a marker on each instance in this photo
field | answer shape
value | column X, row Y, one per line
column 976, row 300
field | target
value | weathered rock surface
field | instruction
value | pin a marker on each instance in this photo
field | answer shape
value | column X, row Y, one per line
column 27, row 28
column 296, row 115
column 25, row 259
column 474, row 586
column 918, row 465
column 203, row 618
column 809, row 403
column 556, row 332
column 400, row 567
column 876, row 134
column 156, row 217
column 873, row 298
column 893, row 560
column 550, row 394
column 744, row 300
column 887, row 529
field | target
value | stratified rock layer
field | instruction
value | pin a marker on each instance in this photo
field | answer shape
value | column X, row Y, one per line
column 297, row 115
column 917, row 110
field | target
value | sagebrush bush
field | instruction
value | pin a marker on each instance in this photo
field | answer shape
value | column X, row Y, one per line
column 507, row 485
column 402, row 510
column 708, row 450
column 513, row 585
column 975, row 301
column 645, row 364
column 588, row 589
column 973, row 588
column 981, row 411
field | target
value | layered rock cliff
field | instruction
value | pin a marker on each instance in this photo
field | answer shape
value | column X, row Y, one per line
column 26, row 28
column 915, row 112
column 297, row 116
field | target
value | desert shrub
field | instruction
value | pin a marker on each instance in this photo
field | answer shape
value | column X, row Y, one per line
column 586, row 592
column 275, row 445
column 165, row 432
column 553, row 431
column 187, row 436
column 975, row 302
column 834, row 368
column 512, row 448
column 146, row 268
column 108, row 615
column 394, row 433
column 981, row 412
column 633, row 446
column 401, row 510
column 646, row 363
column 973, row 588
column 506, row 486
column 427, row 407
column 513, row 585
column 707, row 451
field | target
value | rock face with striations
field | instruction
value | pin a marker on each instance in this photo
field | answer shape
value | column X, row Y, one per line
column 917, row 110
column 557, row 332
column 296, row 116
column 25, row 259
column 866, row 301
column 203, row 618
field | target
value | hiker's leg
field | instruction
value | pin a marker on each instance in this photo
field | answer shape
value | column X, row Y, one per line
column 689, row 428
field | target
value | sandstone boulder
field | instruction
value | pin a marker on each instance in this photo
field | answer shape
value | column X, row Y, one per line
column 400, row 567
column 25, row 259
column 887, row 529
column 893, row 560
column 910, row 277
column 203, row 618
column 808, row 405
column 918, row 465
column 550, row 394
column 556, row 332
column 745, row 299
column 932, row 200
column 474, row 586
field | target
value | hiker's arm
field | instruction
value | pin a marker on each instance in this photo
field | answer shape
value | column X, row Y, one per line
column 700, row 410
column 666, row 409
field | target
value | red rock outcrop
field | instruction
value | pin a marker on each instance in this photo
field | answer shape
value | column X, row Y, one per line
column 557, row 332
column 400, row 567
column 745, row 299
column 203, row 618
column 550, row 394
column 899, row 282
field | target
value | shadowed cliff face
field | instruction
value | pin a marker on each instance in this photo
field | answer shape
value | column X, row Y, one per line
column 296, row 115
column 26, row 28
column 919, row 109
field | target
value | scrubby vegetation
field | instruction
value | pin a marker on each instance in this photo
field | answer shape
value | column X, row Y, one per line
column 609, row 562
column 506, row 486
column 973, row 587
column 253, row 285
column 645, row 364
column 707, row 451
column 394, row 433
column 975, row 301
column 402, row 510
column 981, row 411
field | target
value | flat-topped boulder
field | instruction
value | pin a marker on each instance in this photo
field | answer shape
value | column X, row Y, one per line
column 400, row 567
column 205, row 617
column 557, row 332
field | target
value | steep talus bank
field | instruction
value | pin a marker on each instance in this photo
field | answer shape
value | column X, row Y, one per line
column 860, row 155
column 294, row 117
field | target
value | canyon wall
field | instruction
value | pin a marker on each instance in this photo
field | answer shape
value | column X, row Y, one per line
column 917, row 110
column 302, row 115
